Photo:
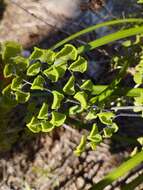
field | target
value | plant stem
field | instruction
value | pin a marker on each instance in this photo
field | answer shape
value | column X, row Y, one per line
column 127, row 115
column 126, row 108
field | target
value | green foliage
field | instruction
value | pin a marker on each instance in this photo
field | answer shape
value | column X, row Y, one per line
column 80, row 65
column 140, row 140
column 43, row 113
column 8, row 98
column 34, row 125
column 92, row 114
column 16, row 66
column 56, row 71
column 10, row 50
column 82, row 98
column 42, row 55
column 140, row 1
column 8, row 133
column 30, row 69
column 94, row 137
column 138, row 77
column 8, row 70
column 58, row 119
column 44, row 66
column 106, row 117
column 69, row 52
column 81, row 147
column 87, row 85
column 69, row 86
column 97, row 26
column 74, row 110
column 57, row 98
column 16, row 83
column 22, row 97
column 52, row 78
column 34, row 69
column 108, row 131
column 46, row 126
column 111, row 38
column 21, row 64
column 38, row 83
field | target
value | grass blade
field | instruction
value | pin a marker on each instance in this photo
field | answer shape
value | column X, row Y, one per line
column 120, row 171
column 129, row 92
column 113, row 86
column 111, row 38
column 97, row 26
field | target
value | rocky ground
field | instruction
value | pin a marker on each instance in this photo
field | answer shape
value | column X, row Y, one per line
column 47, row 162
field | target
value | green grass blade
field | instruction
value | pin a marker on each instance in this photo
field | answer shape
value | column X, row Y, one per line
column 94, row 27
column 120, row 171
column 114, row 85
column 129, row 92
column 111, row 38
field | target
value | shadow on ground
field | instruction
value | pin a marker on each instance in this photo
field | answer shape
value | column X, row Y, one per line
column 2, row 8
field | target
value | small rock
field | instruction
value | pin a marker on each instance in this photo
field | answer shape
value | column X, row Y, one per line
column 88, row 186
column 69, row 170
column 72, row 187
column 90, row 158
column 80, row 182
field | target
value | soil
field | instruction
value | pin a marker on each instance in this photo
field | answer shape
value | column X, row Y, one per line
column 48, row 163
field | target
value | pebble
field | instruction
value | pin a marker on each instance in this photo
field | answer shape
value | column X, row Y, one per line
column 10, row 170
column 88, row 186
column 69, row 170
column 72, row 187
column 90, row 158
column 80, row 182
